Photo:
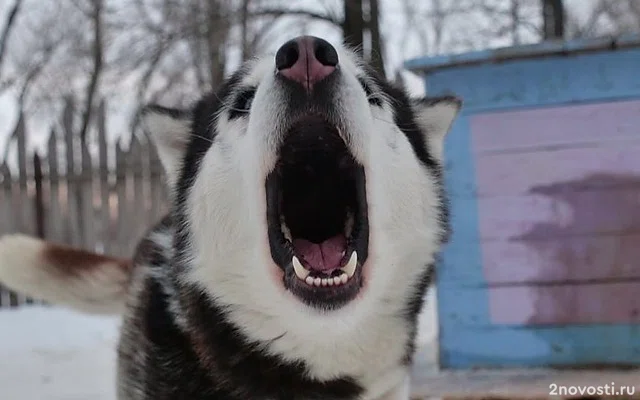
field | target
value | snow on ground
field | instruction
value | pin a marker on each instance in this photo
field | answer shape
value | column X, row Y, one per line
column 49, row 353
column 56, row 354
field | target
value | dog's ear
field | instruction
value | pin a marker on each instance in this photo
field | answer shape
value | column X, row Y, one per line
column 434, row 116
column 169, row 129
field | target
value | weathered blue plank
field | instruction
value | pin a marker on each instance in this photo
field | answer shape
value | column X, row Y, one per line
column 500, row 346
column 462, row 255
column 461, row 262
column 529, row 51
column 464, row 307
column 542, row 83
column 628, row 40
column 586, row 44
column 479, row 307
column 536, row 50
column 464, row 246
column 442, row 61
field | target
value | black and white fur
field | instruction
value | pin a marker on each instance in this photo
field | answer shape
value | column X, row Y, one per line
column 206, row 316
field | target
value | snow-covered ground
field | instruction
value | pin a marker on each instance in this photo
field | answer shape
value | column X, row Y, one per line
column 56, row 354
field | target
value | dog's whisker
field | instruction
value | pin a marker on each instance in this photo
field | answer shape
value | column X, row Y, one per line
column 201, row 137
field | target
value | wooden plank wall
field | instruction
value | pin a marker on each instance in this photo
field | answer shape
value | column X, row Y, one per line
column 74, row 193
column 542, row 171
column 559, row 213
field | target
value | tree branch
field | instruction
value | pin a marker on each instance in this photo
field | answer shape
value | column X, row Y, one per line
column 377, row 47
column 277, row 12
column 244, row 29
column 353, row 26
column 97, row 68
column 143, row 87
column 6, row 32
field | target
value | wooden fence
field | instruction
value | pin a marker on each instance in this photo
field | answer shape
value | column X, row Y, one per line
column 94, row 196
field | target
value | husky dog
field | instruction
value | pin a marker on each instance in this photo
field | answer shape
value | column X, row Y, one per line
column 307, row 213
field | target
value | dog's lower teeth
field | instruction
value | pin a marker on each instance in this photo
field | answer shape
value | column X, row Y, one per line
column 305, row 275
column 300, row 271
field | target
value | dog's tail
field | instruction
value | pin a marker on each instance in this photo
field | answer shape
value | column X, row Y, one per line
column 65, row 276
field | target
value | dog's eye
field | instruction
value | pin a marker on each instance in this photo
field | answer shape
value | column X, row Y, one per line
column 371, row 97
column 247, row 103
column 242, row 104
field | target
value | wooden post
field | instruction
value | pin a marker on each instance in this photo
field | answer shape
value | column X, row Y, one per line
column 121, row 190
column 85, row 194
column 24, row 206
column 7, row 213
column 106, row 233
column 55, row 216
column 137, row 203
column 38, row 200
column 73, row 230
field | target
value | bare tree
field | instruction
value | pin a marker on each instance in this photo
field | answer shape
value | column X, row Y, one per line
column 553, row 17
column 605, row 17
column 353, row 24
column 172, row 50
column 285, row 11
column 515, row 19
column 217, row 28
column 377, row 45
column 8, row 28
column 245, row 50
column 97, row 55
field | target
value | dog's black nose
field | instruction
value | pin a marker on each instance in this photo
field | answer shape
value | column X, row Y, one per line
column 306, row 60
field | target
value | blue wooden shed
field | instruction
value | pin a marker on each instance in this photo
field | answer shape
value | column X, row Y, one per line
column 543, row 170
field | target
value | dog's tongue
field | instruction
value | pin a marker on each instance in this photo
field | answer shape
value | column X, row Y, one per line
column 325, row 256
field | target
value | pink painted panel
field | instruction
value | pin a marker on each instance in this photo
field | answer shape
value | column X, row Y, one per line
column 580, row 258
column 522, row 173
column 612, row 303
column 560, row 214
column 556, row 126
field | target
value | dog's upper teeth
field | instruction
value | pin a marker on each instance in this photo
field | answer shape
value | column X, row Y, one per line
column 301, row 271
column 350, row 268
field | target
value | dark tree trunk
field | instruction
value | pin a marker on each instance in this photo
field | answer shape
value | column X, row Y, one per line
column 377, row 57
column 9, row 24
column 553, row 17
column 217, row 29
column 39, row 198
column 97, row 51
column 353, row 24
column 244, row 29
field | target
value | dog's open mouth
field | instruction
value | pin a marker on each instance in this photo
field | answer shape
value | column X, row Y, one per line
column 317, row 215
